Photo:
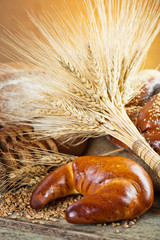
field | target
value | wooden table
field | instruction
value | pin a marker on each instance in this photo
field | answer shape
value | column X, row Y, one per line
column 146, row 227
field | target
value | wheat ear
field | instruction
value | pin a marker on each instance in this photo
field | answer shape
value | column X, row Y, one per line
column 90, row 67
column 33, row 172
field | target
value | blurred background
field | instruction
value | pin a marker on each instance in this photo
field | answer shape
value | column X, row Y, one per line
column 13, row 10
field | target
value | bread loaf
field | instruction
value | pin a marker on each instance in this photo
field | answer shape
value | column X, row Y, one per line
column 114, row 188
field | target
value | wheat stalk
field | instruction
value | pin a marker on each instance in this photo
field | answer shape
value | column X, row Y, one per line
column 89, row 72
column 30, row 173
column 25, row 160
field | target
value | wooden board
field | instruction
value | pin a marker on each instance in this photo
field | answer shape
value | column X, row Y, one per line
column 146, row 227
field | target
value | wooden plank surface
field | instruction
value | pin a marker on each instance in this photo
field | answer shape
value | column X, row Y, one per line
column 146, row 227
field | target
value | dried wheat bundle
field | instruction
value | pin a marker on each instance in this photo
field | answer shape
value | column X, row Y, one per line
column 12, row 178
column 25, row 160
column 32, row 172
column 83, row 73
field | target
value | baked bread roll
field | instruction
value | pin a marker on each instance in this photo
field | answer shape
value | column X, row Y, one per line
column 114, row 188
column 144, row 111
column 148, row 122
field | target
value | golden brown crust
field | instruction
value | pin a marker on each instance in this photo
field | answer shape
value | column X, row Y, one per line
column 57, row 184
column 18, row 145
column 151, row 88
column 114, row 188
column 153, row 138
column 149, row 116
column 148, row 122
column 144, row 112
